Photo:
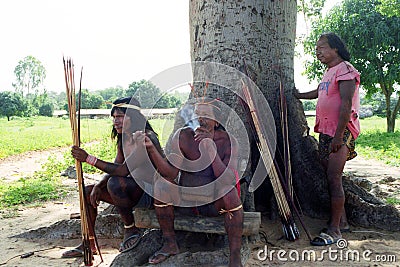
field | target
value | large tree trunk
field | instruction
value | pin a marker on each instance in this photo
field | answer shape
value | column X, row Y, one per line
column 262, row 34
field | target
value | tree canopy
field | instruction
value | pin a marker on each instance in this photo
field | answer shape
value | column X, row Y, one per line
column 30, row 74
column 389, row 7
column 373, row 40
column 12, row 104
column 150, row 96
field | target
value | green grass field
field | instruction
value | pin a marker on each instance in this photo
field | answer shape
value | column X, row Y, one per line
column 28, row 134
column 38, row 133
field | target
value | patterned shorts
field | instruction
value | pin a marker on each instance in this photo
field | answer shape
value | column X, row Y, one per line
column 325, row 145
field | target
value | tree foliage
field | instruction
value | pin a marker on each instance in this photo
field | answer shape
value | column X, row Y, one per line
column 30, row 74
column 90, row 100
column 373, row 40
column 47, row 109
column 150, row 96
column 389, row 7
column 310, row 8
column 12, row 104
column 112, row 93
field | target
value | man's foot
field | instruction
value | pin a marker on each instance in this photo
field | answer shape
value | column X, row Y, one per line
column 130, row 243
column 324, row 240
column 344, row 226
column 169, row 248
column 159, row 256
column 76, row 252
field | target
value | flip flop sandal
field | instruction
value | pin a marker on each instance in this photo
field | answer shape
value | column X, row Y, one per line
column 323, row 240
column 165, row 255
column 128, row 245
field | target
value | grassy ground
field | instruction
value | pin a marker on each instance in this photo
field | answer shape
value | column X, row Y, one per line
column 27, row 134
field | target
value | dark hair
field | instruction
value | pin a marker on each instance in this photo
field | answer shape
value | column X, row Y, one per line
column 139, row 120
column 334, row 41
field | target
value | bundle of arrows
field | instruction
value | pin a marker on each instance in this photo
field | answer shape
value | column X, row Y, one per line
column 75, row 127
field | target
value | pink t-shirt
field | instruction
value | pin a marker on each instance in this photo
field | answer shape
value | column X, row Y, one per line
column 328, row 105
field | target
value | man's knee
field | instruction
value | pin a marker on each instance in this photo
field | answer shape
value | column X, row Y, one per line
column 114, row 184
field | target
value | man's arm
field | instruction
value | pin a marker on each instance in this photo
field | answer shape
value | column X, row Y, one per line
column 116, row 169
column 113, row 169
column 347, row 89
column 308, row 95
column 229, row 158
column 162, row 165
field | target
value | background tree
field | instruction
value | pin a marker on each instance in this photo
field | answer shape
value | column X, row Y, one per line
column 311, row 9
column 91, row 100
column 389, row 7
column 111, row 94
column 147, row 94
column 30, row 74
column 373, row 40
column 46, row 109
column 145, row 91
column 12, row 104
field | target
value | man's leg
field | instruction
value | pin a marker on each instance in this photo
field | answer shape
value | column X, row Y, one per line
column 125, row 194
column 165, row 216
column 92, row 215
column 343, row 219
column 231, row 206
column 335, row 168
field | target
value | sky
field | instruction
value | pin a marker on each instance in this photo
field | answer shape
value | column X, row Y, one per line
column 116, row 42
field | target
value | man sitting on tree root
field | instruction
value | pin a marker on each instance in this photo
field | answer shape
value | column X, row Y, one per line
column 205, row 158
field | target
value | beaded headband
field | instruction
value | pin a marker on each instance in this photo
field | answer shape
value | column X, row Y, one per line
column 124, row 105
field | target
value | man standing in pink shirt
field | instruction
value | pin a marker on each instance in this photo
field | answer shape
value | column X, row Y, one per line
column 337, row 124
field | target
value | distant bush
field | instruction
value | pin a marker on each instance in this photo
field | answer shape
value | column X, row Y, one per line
column 47, row 110
column 309, row 104
column 365, row 111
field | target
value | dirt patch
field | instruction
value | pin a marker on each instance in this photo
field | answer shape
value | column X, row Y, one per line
column 381, row 247
column 14, row 167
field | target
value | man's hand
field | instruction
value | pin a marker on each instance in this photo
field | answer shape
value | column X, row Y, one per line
column 202, row 133
column 79, row 153
column 296, row 93
column 205, row 138
column 336, row 144
column 95, row 196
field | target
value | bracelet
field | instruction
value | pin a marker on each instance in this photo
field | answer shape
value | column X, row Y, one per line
column 129, row 226
column 91, row 160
